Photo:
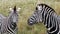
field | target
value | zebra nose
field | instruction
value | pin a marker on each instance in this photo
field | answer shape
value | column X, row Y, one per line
column 30, row 23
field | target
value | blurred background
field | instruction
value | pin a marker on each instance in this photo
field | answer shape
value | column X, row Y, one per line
column 27, row 9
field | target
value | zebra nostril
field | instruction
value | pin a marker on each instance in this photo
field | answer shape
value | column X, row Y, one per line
column 30, row 23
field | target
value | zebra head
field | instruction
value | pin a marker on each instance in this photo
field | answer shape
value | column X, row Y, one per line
column 36, row 17
column 14, row 14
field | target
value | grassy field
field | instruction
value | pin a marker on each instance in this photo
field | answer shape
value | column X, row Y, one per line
column 27, row 9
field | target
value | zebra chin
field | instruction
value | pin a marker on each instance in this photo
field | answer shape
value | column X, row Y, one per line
column 31, row 23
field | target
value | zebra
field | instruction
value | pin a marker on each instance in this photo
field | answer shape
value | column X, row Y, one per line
column 47, row 15
column 1, row 19
column 9, row 24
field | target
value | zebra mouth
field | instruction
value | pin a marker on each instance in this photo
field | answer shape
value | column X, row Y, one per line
column 13, row 26
column 30, row 23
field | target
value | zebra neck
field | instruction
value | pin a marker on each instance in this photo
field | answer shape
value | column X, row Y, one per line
column 54, row 29
column 52, row 25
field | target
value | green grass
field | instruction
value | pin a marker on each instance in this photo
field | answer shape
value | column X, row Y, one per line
column 27, row 9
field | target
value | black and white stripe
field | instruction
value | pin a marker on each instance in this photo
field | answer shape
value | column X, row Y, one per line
column 12, row 21
column 9, row 24
column 1, row 20
column 48, row 16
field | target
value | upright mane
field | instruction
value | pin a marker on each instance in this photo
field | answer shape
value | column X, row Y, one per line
column 14, row 9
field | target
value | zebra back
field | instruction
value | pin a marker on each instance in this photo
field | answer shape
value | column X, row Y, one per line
column 1, row 22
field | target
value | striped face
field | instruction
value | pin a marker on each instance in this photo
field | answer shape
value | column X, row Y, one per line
column 14, row 18
column 14, row 14
column 36, row 17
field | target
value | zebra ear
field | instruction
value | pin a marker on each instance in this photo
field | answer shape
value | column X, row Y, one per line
column 10, row 9
column 18, row 9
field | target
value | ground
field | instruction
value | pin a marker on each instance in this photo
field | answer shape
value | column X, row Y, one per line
column 27, row 9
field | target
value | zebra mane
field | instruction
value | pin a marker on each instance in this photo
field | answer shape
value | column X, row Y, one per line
column 46, row 6
column 14, row 8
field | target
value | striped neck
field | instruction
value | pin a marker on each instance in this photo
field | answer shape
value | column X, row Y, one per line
column 51, row 24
